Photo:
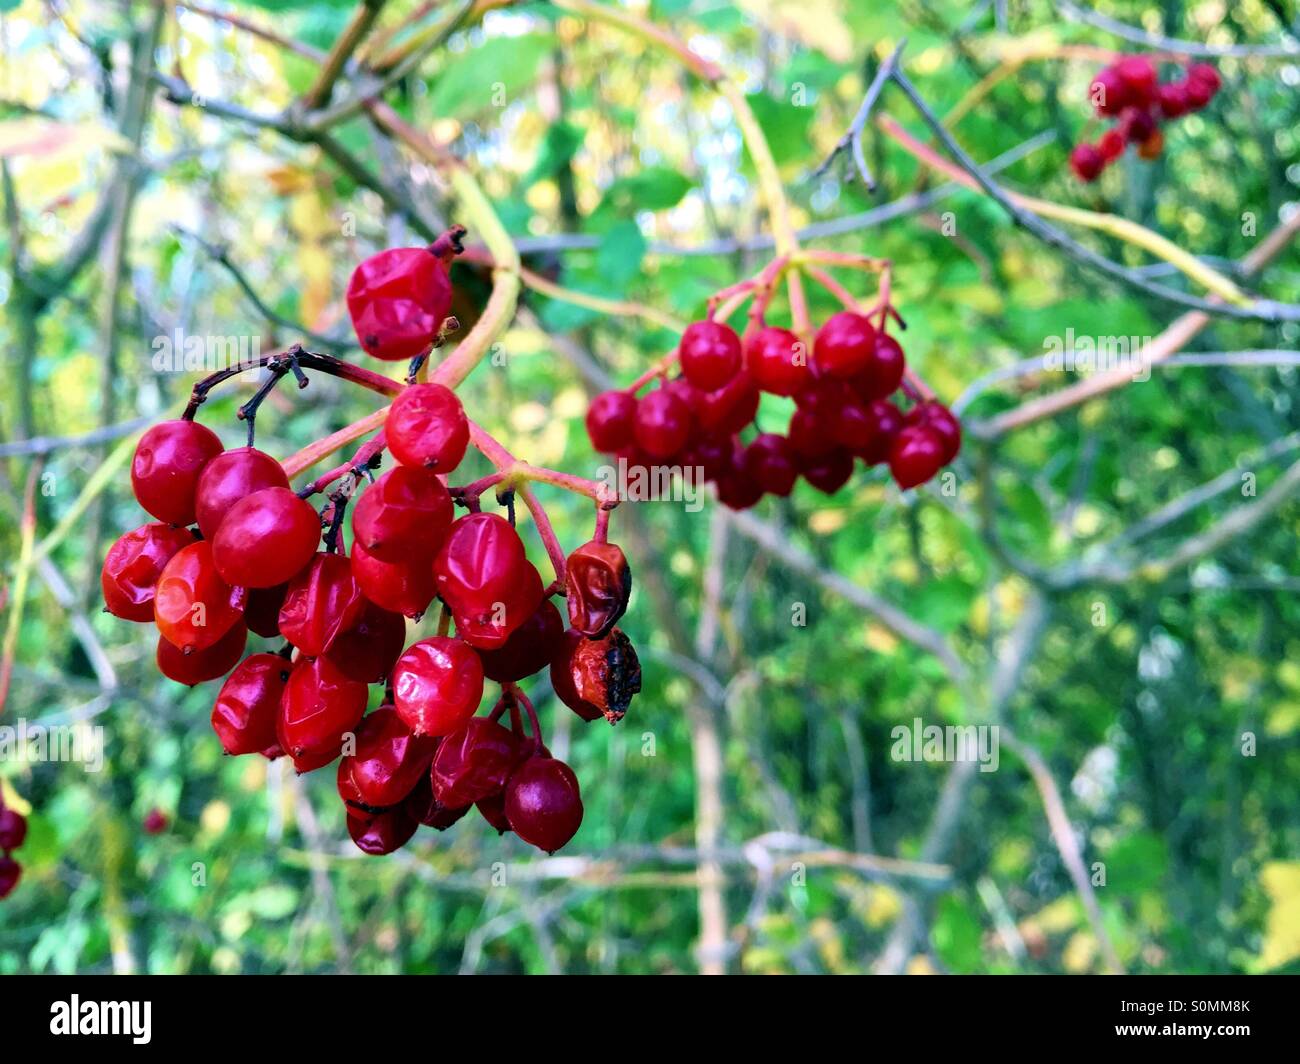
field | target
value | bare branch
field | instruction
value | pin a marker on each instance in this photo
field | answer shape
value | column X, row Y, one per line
column 1172, row 44
column 853, row 138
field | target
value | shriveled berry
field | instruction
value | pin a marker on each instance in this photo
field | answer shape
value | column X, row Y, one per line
column 488, row 627
column 828, row 473
column 319, row 707
column 369, row 649
column 427, row 428
column 1109, row 93
column 596, row 676
column 13, row 828
column 481, row 573
column 322, row 602
column 398, row 300
column 844, row 345
column 262, row 610
column 199, row 666
column 544, row 803
column 493, row 811
column 399, row 587
column 474, row 762
column 248, row 704
column 437, row 685
column 778, row 361
column 266, row 538
column 770, row 461
column 597, row 585
column 383, row 833
column 10, row 874
column 710, row 354
column 405, row 514
column 165, row 470
column 1087, row 162
column 610, row 420
column 663, row 423
column 133, row 565
column 229, row 477
column 529, row 648
column 730, row 408
column 389, row 759
column 915, row 455
column 193, row 606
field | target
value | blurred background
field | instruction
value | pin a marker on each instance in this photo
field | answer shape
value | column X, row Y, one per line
column 1114, row 586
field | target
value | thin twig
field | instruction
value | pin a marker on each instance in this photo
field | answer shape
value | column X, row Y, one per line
column 852, row 140
column 1162, row 43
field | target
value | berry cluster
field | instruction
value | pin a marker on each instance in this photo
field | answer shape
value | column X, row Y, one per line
column 844, row 404
column 1130, row 92
column 234, row 550
column 13, row 830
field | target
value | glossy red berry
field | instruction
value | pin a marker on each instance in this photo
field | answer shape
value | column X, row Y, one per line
column 262, row 610
column 429, row 811
column 844, row 345
column 884, row 372
column 133, row 565
column 13, row 828
column 398, row 300
column 529, row 648
column 369, row 649
column 544, row 803
column 596, row 677
column 193, row 606
column 1173, row 101
column 385, row 832
column 886, row 422
column 155, row 822
column 1139, row 76
column 10, row 874
column 399, row 587
column 610, row 419
column 481, row 573
column 812, row 430
column 915, row 455
column 770, row 462
column 730, row 408
column 1109, row 93
column 266, row 538
column 199, row 666
column 244, row 714
column 710, row 354
column 778, row 361
column 662, row 424
column 229, row 477
column 437, row 685
column 1111, row 144
column 1206, row 74
column 828, row 473
column 427, row 428
column 321, row 602
column 389, row 759
column 474, row 762
column 942, row 422
column 597, row 585
column 405, row 514
column 165, row 470
column 319, row 708
column 1087, row 162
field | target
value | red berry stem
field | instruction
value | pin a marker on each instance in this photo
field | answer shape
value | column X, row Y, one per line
column 279, row 369
column 450, row 243
column 601, row 535
column 469, row 494
column 846, row 298
column 368, row 457
column 518, row 695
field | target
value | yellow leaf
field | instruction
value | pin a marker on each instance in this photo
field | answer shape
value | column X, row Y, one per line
column 1281, row 882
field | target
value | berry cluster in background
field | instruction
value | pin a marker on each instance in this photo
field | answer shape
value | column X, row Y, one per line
column 234, row 552
column 1130, row 92
column 13, row 830
column 847, row 382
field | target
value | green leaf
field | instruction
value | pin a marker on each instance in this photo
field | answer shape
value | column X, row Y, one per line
column 785, row 124
column 619, row 256
column 656, row 188
column 488, row 77
column 562, row 140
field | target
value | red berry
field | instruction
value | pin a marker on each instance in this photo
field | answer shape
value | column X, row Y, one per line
column 1207, row 75
column 844, row 345
column 915, row 455
column 1087, row 162
column 770, row 462
column 474, row 762
column 489, row 627
column 389, row 759
column 404, row 515
column 712, row 455
column 10, row 873
column 597, row 585
column 428, row 810
column 384, row 832
column 1111, row 145
column 596, row 677
column 427, row 428
column 730, row 408
column 13, row 829
column 266, row 538
column 940, row 420
column 610, row 420
column 884, row 372
column 319, row 707
column 1173, row 100
column 1198, row 93
column 193, row 606
column 322, row 602
column 811, row 433
column 543, row 803
column 529, row 648
column 710, row 354
column 663, row 423
column 886, row 420
column 1137, row 125
column 494, row 812
column 737, row 490
column 229, row 477
column 1109, row 93
column 262, row 610
column 155, row 822
column 248, row 704
column 369, row 649
column 199, row 666
column 165, row 470
column 437, row 685
column 481, row 573
column 1139, row 76
column 400, row 587
column 828, row 473
column 133, row 566
column 778, row 361
column 398, row 300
